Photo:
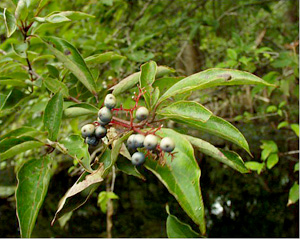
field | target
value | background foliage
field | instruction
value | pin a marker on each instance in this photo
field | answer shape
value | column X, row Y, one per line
column 256, row 36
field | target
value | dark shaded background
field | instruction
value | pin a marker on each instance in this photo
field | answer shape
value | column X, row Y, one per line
column 189, row 36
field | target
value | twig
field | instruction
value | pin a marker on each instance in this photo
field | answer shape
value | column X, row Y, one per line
column 74, row 99
column 24, row 67
column 109, row 211
column 241, row 6
column 291, row 152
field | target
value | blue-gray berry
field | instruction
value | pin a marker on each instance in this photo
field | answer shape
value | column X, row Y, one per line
column 102, row 123
column 105, row 115
column 92, row 140
column 138, row 158
column 87, row 130
column 100, row 131
column 167, row 144
column 110, row 101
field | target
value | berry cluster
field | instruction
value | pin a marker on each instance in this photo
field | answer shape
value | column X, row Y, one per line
column 93, row 133
column 150, row 142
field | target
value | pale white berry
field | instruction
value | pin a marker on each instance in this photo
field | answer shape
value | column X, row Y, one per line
column 87, row 130
column 150, row 141
column 167, row 144
column 138, row 140
column 110, row 101
column 142, row 113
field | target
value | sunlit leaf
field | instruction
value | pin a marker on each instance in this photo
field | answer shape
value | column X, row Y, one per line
column 218, row 127
column 78, row 149
column 103, row 57
column 295, row 128
column 181, row 176
column 210, row 78
column 229, row 158
column 80, row 110
column 186, row 110
column 72, row 60
column 10, row 22
column 131, row 80
column 272, row 160
column 103, row 198
column 293, row 194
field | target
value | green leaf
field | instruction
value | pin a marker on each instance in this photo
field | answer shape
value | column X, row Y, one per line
column 147, row 77
column 77, row 149
column 103, row 198
column 296, row 167
column 103, row 57
column 218, row 127
column 4, row 98
column 33, row 180
column 18, row 83
column 127, row 167
column 22, row 131
column 7, row 191
column 181, row 177
column 178, row 229
column 272, row 160
column 12, row 146
column 21, row 12
column 53, row 71
column 270, row 146
column 79, row 193
column 255, row 166
column 80, row 110
column 148, row 72
column 295, row 128
column 271, row 109
column 166, row 82
column 282, row 124
column 186, row 110
column 210, row 78
column 10, row 22
column 229, row 158
column 132, row 80
column 66, row 16
column 154, row 97
column 53, row 115
column 265, row 154
column 231, row 53
column 55, row 86
column 293, row 194
column 116, row 148
column 72, row 60
column 57, row 18
column 73, row 15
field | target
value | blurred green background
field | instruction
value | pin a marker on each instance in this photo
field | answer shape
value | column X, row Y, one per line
column 256, row 36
